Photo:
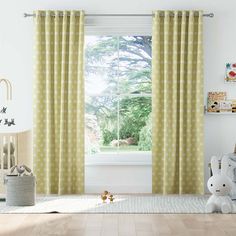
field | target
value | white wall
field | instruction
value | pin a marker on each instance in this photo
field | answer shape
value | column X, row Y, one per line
column 118, row 178
column 16, row 52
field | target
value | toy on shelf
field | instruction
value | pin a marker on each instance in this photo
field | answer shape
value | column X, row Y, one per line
column 214, row 99
column 220, row 186
column 217, row 102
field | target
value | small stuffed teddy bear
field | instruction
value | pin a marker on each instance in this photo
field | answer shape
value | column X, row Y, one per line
column 220, row 186
column 104, row 196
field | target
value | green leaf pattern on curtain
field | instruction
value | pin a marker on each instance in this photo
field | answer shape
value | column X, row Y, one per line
column 177, row 107
column 59, row 102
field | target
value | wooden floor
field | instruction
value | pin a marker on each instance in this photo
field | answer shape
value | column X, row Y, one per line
column 117, row 224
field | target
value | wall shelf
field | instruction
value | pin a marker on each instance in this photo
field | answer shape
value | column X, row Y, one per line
column 220, row 113
column 217, row 113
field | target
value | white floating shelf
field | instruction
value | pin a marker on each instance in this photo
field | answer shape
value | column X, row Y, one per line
column 220, row 113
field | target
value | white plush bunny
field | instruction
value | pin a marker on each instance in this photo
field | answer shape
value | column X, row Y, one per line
column 220, row 186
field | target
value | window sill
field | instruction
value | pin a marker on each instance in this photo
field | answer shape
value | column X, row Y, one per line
column 121, row 159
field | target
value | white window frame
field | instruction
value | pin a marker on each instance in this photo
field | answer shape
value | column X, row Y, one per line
column 119, row 26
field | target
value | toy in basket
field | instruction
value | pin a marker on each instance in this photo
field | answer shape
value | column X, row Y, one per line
column 220, row 186
column 20, row 187
column 21, row 170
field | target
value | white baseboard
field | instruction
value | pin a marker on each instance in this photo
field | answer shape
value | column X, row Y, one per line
column 98, row 189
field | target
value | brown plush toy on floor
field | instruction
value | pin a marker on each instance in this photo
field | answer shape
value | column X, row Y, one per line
column 111, row 198
column 104, row 196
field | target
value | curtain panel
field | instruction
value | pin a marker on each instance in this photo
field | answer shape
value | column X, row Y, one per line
column 59, row 102
column 177, row 82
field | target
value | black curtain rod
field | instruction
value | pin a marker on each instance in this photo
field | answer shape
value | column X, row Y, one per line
column 110, row 15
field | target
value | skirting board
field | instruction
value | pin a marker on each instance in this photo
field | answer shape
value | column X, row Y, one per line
column 97, row 189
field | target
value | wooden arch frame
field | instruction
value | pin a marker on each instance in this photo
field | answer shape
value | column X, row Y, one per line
column 8, row 87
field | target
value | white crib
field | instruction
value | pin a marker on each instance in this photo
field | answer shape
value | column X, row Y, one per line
column 8, row 154
column 8, row 151
column 15, row 148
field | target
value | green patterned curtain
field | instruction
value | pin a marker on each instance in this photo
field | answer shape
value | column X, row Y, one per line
column 59, row 102
column 177, row 77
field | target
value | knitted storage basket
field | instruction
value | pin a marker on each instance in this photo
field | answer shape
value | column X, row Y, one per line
column 20, row 190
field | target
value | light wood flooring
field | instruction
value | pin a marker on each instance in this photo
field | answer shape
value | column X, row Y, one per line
column 117, row 224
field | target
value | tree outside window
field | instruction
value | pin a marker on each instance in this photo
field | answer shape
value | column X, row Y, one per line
column 118, row 94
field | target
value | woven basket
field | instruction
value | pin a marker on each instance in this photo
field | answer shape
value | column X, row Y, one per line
column 20, row 190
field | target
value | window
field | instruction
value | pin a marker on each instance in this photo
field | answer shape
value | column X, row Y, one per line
column 117, row 94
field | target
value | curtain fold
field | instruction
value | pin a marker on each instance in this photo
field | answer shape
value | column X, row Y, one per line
column 59, row 102
column 177, row 104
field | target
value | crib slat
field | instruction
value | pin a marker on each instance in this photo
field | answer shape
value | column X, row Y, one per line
column 16, row 150
column 8, row 151
column 1, row 151
column 7, row 140
column 3, row 142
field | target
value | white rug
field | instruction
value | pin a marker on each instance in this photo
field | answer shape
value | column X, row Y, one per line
column 122, row 204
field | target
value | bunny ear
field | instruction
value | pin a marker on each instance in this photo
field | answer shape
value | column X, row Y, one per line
column 215, row 165
column 224, row 165
column 13, row 168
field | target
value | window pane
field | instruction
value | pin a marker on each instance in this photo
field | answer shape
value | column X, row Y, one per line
column 101, row 124
column 135, row 81
column 135, row 124
column 101, row 51
column 100, row 81
column 117, row 78
column 135, row 64
column 135, row 52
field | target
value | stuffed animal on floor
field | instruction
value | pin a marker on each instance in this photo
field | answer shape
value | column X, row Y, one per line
column 111, row 198
column 106, row 195
column 220, row 186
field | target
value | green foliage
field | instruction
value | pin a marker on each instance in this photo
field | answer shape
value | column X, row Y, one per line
column 134, row 112
column 137, row 81
column 125, row 63
column 102, row 51
column 145, row 136
column 108, row 136
column 92, row 132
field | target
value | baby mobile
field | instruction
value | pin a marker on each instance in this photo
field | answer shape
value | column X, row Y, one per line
column 4, row 120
